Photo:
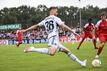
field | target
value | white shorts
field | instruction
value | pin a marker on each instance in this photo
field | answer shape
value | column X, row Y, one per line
column 54, row 42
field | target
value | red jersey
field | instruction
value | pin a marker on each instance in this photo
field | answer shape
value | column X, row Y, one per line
column 102, row 26
column 88, row 28
column 19, row 35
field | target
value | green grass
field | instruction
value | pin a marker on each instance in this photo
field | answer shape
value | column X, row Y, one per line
column 14, row 59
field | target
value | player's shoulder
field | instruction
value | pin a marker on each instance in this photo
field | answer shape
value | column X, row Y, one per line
column 99, row 21
column 92, row 24
column 86, row 24
column 18, row 31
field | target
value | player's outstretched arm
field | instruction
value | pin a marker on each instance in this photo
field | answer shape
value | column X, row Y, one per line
column 68, row 28
column 30, row 28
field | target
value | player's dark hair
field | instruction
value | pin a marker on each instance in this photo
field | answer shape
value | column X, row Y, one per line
column 103, row 14
column 90, row 20
column 52, row 8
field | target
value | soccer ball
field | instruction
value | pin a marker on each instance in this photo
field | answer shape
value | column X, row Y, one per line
column 96, row 63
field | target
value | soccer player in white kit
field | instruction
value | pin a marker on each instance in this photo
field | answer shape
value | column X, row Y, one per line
column 51, row 24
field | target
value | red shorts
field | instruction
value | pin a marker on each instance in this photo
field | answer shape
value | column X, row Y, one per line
column 88, row 35
column 102, row 37
column 20, row 40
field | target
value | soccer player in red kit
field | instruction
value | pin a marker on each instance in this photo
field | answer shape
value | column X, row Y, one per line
column 101, row 29
column 19, row 38
column 88, row 33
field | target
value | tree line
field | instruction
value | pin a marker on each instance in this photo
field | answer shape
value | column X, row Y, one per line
column 28, row 16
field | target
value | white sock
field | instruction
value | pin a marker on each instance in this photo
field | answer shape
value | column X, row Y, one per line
column 73, row 57
column 40, row 50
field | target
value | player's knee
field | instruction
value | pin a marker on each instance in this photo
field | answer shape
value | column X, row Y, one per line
column 52, row 51
column 102, row 44
column 51, row 54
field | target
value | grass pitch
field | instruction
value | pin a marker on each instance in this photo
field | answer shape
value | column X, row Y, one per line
column 14, row 59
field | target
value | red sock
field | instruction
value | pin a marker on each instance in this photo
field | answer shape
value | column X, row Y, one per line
column 99, row 50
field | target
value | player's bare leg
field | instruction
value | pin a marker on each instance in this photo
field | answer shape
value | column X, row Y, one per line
column 80, row 43
column 50, row 51
column 94, row 42
column 100, row 49
column 72, row 56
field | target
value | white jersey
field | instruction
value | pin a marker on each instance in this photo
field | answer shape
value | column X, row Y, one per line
column 51, row 25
